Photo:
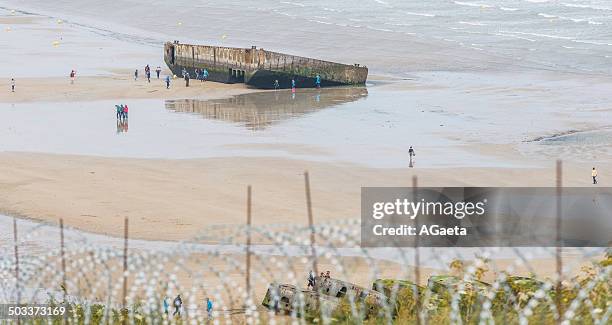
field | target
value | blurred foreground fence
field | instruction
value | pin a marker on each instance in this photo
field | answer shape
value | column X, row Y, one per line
column 316, row 272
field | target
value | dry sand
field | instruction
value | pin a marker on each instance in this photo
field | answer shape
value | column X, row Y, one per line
column 176, row 199
column 115, row 86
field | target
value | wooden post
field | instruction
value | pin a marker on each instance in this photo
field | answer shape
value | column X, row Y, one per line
column 312, row 239
column 17, row 287
column 248, row 244
column 125, row 264
column 311, row 224
column 417, row 257
column 63, row 258
column 559, row 289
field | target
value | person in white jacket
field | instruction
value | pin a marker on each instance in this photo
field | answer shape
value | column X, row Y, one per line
column 594, row 175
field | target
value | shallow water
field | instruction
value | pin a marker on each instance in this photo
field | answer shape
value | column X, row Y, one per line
column 446, row 121
column 325, row 125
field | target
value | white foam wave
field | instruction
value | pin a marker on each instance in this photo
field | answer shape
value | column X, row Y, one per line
column 297, row 4
column 418, row 14
column 381, row 2
column 472, row 23
column 398, row 24
column 582, row 6
column 547, row 15
column 575, row 20
column 508, row 9
column 539, row 35
column 320, row 22
column 333, row 10
column 472, row 4
column 593, row 42
column 379, row 29
column 516, row 36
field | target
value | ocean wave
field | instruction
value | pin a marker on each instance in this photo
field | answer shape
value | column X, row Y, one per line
column 516, row 36
column 575, row 20
column 418, row 14
column 285, row 14
column 539, row 35
column 332, row 9
column 381, row 2
column 547, row 15
column 593, row 42
column 380, row 29
column 575, row 5
column 320, row 22
column 398, row 24
column 472, row 4
column 472, row 23
column 293, row 3
column 508, row 9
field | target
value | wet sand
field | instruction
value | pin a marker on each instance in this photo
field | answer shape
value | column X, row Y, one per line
column 120, row 86
column 175, row 199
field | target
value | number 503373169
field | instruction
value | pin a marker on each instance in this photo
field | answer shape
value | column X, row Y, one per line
column 14, row 311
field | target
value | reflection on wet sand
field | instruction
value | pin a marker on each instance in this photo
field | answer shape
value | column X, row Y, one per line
column 122, row 125
column 261, row 109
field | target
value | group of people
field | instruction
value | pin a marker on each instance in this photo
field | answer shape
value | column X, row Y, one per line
column 312, row 279
column 147, row 70
column 201, row 74
column 294, row 86
column 122, row 112
column 177, row 303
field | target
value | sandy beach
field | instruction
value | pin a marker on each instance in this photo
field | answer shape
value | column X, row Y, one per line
column 92, row 88
column 180, row 197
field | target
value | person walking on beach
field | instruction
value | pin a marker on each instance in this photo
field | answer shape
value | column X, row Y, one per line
column 594, row 175
column 311, row 280
column 125, row 112
column 276, row 85
column 187, row 79
column 136, row 75
column 167, row 82
column 293, row 85
column 318, row 81
column 184, row 72
column 13, row 84
column 166, row 305
column 411, row 154
column 204, row 75
column 72, row 76
column 148, row 73
column 178, row 303
column 158, row 71
column 119, row 109
column 209, row 307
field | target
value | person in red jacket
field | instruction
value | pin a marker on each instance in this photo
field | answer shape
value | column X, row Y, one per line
column 125, row 111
